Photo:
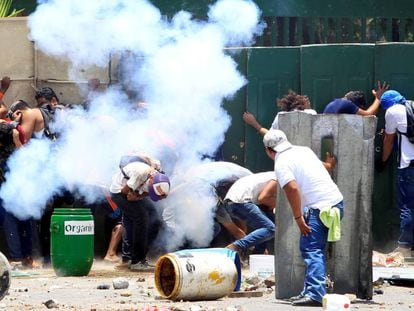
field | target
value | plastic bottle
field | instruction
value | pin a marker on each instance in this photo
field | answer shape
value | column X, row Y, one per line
column 335, row 302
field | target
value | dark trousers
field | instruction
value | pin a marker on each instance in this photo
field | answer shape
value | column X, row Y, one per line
column 135, row 219
column 18, row 236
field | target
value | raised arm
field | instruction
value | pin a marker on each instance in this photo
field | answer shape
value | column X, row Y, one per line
column 250, row 119
column 373, row 109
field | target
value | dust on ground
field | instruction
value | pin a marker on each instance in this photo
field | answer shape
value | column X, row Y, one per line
column 41, row 289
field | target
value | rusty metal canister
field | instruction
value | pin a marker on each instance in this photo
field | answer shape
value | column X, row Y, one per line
column 198, row 274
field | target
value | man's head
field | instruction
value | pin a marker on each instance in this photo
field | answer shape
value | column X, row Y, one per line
column 357, row 97
column 390, row 98
column 46, row 95
column 6, row 134
column 293, row 101
column 160, row 187
column 16, row 109
column 276, row 140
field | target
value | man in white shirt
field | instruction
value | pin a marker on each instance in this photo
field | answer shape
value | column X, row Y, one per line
column 288, row 103
column 241, row 202
column 396, row 126
column 309, row 190
column 131, row 186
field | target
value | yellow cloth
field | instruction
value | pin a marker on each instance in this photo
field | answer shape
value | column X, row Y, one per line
column 331, row 218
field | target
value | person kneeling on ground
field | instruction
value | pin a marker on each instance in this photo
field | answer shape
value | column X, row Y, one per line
column 242, row 201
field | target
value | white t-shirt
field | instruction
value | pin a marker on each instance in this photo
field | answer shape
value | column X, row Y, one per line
column 396, row 119
column 316, row 186
column 248, row 188
column 138, row 174
column 275, row 124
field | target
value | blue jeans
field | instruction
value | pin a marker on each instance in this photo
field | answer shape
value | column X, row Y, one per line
column 263, row 229
column 312, row 248
column 405, row 201
column 18, row 237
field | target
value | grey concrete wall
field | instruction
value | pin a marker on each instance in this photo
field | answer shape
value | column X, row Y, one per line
column 349, row 260
column 27, row 66
column 17, row 58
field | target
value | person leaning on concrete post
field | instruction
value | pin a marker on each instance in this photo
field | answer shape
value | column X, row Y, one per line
column 130, row 188
column 314, row 199
column 396, row 127
column 241, row 202
column 290, row 102
column 354, row 102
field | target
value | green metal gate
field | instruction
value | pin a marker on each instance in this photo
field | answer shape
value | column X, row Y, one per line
column 322, row 72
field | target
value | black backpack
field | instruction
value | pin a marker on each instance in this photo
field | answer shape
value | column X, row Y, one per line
column 48, row 114
column 409, row 107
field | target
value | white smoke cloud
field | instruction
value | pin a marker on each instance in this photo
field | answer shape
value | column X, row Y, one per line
column 179, row 68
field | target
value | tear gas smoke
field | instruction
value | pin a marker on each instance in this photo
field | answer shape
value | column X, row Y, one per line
column 178, row 67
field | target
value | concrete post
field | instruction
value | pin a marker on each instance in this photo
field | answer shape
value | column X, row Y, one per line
column 349, row 261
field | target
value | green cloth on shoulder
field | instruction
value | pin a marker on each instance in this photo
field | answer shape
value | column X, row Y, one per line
column 331, row 218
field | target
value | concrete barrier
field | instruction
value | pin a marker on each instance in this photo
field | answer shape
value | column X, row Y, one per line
column 349, row 263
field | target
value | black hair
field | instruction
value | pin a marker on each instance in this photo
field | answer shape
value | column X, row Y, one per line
column 6, row 134
column 357, row 97
column 19, row 105
column 293, row 101
column 47, row 93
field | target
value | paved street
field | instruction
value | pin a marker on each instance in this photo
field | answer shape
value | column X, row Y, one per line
column 30, row 290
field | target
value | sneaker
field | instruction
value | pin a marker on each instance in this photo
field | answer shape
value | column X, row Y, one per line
column 233, row 247
column 142, row 265
column 293, row 298
column 15, row 264
column 405, row 251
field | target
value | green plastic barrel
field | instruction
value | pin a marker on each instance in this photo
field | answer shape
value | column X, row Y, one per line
column 71, row 241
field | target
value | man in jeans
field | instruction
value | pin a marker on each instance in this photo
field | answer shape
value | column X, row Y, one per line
column 395, row 129
column 241, row 202
column 311, row 194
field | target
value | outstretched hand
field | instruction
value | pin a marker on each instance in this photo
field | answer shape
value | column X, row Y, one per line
column 330, row 162
column 381, row 88
column 249, row 118
column 5, row 84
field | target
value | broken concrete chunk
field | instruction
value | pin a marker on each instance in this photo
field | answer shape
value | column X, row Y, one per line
column 120, row 283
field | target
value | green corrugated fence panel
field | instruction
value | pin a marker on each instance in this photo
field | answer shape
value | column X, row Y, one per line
column 271, row 73
column 329, row 72
column 366, row 8
column 233, row 148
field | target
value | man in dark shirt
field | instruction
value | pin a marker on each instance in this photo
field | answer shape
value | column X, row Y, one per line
column 354, row 102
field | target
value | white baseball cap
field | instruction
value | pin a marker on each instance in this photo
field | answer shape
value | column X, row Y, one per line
column 276, row 140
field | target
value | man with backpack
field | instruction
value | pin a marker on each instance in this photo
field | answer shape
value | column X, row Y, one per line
column 399, row 120
column 134, row 187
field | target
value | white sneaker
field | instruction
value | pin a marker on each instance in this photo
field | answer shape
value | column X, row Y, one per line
column 143, row 266
column 405, row 251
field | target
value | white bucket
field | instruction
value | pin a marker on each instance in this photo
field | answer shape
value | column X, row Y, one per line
column 197, row 275
column 262, row 265
column 335, row 302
